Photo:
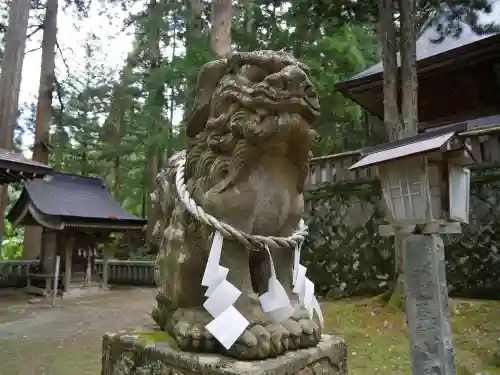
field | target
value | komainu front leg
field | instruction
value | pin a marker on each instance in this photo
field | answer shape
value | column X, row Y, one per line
column 262, row 339
column 303, row 332
column 187, row 327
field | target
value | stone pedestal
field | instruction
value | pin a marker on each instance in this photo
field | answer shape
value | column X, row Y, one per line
column 154, row 353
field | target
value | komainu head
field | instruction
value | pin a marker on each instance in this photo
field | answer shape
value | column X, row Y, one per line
column 244, row 106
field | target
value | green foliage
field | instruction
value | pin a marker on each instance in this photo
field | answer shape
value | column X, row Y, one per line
column 141, row 253
column 105, row 126
column 122, row 125
column 12, row 244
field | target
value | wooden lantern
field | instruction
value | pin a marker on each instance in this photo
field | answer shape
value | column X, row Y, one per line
column 424, row 178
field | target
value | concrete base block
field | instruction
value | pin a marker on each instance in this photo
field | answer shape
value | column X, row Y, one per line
column 149, row 352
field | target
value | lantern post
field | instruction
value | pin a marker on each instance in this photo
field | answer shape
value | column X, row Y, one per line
column 425, row 184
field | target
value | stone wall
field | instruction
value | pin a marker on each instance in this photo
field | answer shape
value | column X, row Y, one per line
column 346, row 256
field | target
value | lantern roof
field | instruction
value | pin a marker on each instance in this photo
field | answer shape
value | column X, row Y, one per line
column 419, row 144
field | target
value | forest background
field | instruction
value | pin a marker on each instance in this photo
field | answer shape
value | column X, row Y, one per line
column 105, row 83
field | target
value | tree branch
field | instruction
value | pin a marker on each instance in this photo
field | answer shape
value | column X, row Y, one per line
column 33, row 50
column 37, row 29
column 62, row 55
column 59, row 97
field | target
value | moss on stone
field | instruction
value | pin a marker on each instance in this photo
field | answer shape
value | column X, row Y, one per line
column 397, row 298
column 155, row 336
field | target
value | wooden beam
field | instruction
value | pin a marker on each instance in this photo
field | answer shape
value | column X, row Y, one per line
column 67, row 271
column 491, row 149
column 458, row 58
column 4, row 179
column 461, row 90
column 105, row 266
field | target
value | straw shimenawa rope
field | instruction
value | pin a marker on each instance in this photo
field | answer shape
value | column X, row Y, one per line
column 253, row 242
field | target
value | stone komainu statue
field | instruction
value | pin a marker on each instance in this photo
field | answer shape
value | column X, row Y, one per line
column 249, row 139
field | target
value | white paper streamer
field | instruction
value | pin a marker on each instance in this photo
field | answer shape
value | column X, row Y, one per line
column 275, row 301
column 305, row 287
column 214, row 273
column 296, row 261
column 228, row 323
column 228, row 327
column 224, row 296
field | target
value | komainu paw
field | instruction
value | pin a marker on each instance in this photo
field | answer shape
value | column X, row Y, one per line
column 304, row 331
column 254, row 343
column 188, row 329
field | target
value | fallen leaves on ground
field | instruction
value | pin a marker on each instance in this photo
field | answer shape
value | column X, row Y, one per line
column 378, row 341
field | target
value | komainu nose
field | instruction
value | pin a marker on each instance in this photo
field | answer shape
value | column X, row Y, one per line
column 294, row 73
column 297, row 81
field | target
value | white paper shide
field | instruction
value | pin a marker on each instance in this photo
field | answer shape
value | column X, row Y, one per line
column 275, row 301
column 305, row 287
column 228, row 323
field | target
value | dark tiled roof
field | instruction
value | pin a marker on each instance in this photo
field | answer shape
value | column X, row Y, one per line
column 63, row 194
column 19, row 158
column 14, row 167
column 427, row 47
column 71, row 198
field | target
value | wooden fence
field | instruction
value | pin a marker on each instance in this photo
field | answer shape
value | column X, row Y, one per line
column 330, row 170
column 334, row 169
column 13, row 273
column 129, row 272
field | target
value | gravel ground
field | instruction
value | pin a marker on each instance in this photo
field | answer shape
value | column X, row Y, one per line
column 36, row 339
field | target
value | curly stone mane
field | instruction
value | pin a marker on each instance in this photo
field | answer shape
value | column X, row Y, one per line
column 242, row 109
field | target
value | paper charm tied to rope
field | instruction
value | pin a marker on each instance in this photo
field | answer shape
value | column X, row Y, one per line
column 305, row 287
column 228, row 323
column 275, row 301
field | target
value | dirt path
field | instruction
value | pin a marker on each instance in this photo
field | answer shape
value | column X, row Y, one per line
column 36, row 339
